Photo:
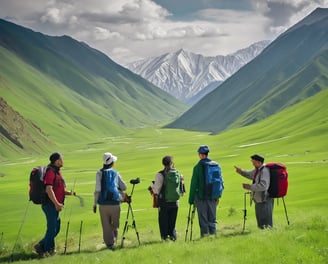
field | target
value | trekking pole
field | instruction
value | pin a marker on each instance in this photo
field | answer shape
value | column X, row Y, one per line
column 188, row 223
column 65, row 247
column 80, row 236
column 245, row 212
column 283, row 200
column 69, row 218
column 19, row 231
column 192, row 220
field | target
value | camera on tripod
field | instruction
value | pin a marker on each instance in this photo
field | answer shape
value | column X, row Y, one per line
column 135, row 181
column 129, row 201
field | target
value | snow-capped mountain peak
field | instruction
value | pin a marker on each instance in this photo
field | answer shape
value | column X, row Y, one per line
column 184, row 74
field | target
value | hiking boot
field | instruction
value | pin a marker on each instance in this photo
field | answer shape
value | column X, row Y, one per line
column 38, row 249
column 111, row 247
column 49, row 253
column 173, row 238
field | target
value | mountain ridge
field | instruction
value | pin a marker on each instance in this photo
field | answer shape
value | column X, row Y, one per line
column 279, row 61
column 185, row 74
column 73, row 91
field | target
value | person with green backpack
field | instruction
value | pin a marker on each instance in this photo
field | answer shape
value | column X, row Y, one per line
column 168, row 187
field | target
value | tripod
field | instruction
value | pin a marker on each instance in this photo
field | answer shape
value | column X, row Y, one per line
column 133, row 225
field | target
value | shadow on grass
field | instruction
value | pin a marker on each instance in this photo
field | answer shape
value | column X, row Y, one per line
column 226, row 231
column 19, row 257
column 233, row 231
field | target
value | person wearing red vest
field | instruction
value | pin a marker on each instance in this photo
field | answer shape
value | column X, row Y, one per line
column 260, row 177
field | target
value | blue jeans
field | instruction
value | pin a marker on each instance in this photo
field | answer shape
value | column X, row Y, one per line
column 53, row 227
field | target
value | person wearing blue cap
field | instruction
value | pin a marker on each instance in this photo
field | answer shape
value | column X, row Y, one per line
column 206, row 206
column 260, row 177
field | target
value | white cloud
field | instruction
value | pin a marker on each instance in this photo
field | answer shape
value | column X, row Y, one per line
column 285, row 13
column 127, row 30
column 100, row 33
column 53, row 15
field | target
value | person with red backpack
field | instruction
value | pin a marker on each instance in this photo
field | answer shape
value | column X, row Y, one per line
column 52, row 204
column 260, row 177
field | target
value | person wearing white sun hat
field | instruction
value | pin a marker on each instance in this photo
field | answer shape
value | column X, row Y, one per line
column 108, row 192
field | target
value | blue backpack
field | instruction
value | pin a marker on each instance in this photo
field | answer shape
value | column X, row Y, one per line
column 213, row 182
column 109, row 187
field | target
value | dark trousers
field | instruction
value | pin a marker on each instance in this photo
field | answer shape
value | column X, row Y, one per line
column 167, row 216
column 53, row 227
column 263, row 213
column 206, row 210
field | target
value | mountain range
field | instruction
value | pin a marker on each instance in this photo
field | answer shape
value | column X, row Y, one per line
column 189, row 76
column 56, row 90
column 65, row 90
column 293, row 68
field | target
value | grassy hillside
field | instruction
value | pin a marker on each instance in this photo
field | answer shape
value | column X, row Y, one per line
column 72, row 91
column 311, row 79
column 292, row 68
column 15, row 129
column 297, row 137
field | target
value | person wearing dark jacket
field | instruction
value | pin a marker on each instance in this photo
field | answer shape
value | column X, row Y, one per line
column 206, row 207
column 52, row 204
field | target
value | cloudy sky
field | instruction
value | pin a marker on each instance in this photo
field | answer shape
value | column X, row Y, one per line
column 129, row 30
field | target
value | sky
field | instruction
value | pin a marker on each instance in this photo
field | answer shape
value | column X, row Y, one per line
column 130, row 30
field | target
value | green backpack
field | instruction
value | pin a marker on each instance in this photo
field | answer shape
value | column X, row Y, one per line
column 171, row 186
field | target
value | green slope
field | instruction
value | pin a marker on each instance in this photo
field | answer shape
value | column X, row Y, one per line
column 296, row 136
column 262, row 87
column 72, row 91
column 308, row 81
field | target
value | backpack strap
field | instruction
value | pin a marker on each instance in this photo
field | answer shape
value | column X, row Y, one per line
column 55, row 171
column 204, row 164
column 258, row 172
column 162, row 192
column 161, row 195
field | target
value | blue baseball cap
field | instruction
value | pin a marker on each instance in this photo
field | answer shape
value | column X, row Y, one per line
column 203, row 149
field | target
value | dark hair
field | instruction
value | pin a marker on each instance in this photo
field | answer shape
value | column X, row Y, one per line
column 54, row 157
column 107, row 166
column 167, row 162
column 258, row 158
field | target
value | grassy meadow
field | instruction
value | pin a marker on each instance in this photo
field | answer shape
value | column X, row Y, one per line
column 302, row 146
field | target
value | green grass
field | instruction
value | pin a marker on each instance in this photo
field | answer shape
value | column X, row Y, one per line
column 297, row 137
column 139, row 155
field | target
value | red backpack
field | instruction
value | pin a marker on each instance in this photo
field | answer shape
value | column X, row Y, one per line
column 278, row 179
column 37, row 187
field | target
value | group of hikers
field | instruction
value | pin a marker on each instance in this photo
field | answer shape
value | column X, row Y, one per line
column 110, row 192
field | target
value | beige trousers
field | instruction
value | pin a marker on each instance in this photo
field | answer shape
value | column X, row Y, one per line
column 110, row 221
